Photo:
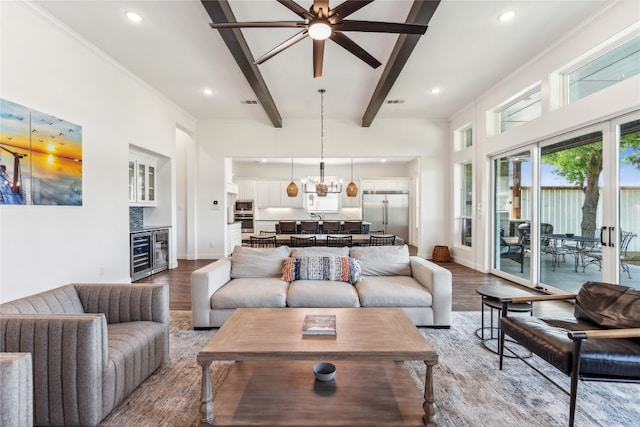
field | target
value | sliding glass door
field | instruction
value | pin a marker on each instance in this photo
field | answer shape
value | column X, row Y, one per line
column 567, row 210
column 512, row 214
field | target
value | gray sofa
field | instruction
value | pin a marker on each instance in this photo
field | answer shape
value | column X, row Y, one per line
column 256, row 277
column 91, row 345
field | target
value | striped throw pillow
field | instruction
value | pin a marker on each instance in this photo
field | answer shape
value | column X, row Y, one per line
column 337, row 268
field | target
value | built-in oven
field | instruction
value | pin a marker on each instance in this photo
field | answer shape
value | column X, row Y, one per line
column 244, row 207
column 247, row 222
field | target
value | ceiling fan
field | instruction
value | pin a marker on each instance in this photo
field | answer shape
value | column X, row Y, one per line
column 321, row 23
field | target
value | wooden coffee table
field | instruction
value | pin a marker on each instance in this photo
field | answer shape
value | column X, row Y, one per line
column 274, row 383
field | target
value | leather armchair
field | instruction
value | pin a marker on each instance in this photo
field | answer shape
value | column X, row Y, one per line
column 600, row 343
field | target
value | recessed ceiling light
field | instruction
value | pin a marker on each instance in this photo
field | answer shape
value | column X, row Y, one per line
column 435, row 90
column 506, row 16
column 207, row 91
column 133, row 16
column 383, row 160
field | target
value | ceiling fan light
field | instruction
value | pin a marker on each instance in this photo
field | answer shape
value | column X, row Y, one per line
column 319, row 30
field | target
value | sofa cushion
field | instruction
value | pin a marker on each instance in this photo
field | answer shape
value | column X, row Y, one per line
column 258, row 262
column 383, row 260
column 135, row 352
column 319, row 251
column 251, row 293
column 608, row 305
column 321, row 293
column 339, row 268
column 392, row 291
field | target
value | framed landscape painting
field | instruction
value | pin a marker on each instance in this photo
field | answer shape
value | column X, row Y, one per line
column 40, row 158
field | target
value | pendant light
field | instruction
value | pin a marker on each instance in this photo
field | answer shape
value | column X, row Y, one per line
column 292, row 188
column 352, row 188
column 322, row 188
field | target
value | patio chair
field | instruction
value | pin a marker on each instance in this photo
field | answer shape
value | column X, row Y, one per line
column 512, row 251
column 594, row 255
column 263, row 241
column 626, row 237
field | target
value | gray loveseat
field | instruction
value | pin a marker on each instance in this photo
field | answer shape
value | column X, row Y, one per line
column 91, row 345
column 254, row 277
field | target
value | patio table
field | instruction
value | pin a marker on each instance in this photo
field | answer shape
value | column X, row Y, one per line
column 583, row 244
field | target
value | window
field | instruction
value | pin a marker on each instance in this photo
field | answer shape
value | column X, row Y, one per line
column 607, row 69
column 522, row 109
column 463, row 138
column 466, row 204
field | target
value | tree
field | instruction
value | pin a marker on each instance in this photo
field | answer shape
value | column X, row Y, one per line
column 581, row 166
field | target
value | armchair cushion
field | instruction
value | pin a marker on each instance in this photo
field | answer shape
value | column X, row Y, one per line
column 608, row 305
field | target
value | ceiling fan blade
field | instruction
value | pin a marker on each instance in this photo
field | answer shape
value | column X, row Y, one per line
column 380, row 27
column 297, row 9
column 281, row 24
column 355, row 49
column 346, row 8
column 321, row 8
column 276, row 50
column 318, row 57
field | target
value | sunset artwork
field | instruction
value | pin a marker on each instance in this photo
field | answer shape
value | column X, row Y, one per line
column 40, row 158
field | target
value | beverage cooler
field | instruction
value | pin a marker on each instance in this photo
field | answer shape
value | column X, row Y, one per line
column 149, row 252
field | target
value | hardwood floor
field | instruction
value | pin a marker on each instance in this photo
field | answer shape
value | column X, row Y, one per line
column 465, row 282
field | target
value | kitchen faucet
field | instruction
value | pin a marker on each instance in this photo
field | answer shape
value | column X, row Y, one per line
column 317, row 216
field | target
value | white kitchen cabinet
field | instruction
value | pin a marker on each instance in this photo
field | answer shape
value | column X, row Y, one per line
column 273, row 194
column 142, row 180
column 235, row 236
column 246, row 189
column 264, row 199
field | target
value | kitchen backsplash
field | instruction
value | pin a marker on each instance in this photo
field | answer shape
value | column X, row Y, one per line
column 136, row 218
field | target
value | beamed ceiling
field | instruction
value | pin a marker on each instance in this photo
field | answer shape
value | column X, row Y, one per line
column 465, row 51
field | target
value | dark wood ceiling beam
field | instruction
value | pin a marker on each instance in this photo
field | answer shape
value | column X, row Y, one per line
column 220, row 11
column 420, row 13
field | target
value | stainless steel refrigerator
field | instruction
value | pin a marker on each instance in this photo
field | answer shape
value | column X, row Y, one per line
column 387, row 211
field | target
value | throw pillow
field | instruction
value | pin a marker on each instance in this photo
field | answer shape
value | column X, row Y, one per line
column 383, row 260
column 257, row 262
column 337, row 268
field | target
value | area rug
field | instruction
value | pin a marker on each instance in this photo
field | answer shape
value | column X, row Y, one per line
column 470, row 389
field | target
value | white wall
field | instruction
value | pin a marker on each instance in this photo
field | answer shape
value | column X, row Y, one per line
column 45, row 67
column 616, row 100
column 217, row 140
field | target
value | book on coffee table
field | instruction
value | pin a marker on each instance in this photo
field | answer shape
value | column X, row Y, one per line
column 319, row 324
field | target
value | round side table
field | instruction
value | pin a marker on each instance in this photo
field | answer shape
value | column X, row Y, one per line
column 491, row 295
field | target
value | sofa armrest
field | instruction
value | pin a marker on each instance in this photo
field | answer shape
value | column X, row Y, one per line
column 605, row 334
column 534, row 298
column 438, row 281
column 204, row 283
column 69, row 354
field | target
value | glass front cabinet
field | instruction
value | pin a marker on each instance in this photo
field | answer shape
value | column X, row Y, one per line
column 142, row 180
